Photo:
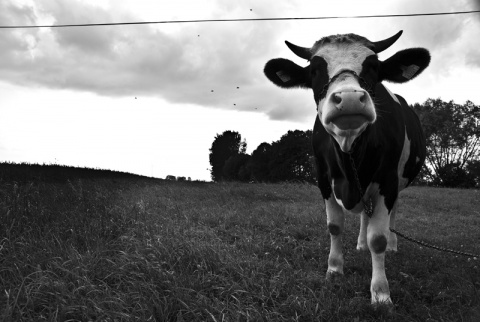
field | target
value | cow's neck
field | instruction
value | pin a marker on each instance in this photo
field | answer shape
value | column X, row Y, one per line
column 360, row 150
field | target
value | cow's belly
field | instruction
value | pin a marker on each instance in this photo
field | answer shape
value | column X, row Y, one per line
column 356, row 209
column 342, row 201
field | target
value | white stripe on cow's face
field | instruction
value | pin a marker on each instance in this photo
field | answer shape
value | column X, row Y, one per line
column 345, row 57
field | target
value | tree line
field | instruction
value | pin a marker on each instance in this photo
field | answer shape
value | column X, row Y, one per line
column 287, row 159
column 452, row 134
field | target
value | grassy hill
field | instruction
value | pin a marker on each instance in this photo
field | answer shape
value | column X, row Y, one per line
column 84, row 245
column 26, row 172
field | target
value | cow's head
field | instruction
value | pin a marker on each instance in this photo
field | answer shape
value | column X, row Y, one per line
column 343, row 73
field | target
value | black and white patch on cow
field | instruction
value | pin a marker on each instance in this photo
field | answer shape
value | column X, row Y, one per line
column 368, row 143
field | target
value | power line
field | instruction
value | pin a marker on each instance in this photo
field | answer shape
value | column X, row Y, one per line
column 234, row 20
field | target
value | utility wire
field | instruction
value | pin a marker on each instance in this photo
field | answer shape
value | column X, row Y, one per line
column 234, row 20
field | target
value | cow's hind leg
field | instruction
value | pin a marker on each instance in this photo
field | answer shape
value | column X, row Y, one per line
column 377, row 234
column 335, row 224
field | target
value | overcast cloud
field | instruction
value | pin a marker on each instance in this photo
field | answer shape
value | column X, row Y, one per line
column 450, row 37
column 205, row 64
column 208, row 64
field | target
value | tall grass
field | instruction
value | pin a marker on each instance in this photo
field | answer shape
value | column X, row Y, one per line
column 133, row 249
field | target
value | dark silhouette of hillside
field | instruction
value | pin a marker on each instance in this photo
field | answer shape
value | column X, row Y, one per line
column 58, row 173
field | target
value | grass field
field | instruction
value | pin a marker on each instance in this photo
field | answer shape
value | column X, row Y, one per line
column 79, row 246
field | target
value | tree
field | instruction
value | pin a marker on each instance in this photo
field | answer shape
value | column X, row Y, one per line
column 235, row 168
column 287, row 159
column 224, row 146
column 258, row 165
column 473, row 169
column 290, row 157
column 453, row 141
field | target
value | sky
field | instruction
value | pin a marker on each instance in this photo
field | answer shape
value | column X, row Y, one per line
column 150, row 99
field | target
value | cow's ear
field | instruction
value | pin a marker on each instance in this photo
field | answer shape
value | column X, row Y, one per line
column 404, row 65
column 287, row 74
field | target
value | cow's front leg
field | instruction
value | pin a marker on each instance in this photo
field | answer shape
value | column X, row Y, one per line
column 362, row 235
column 377, row 239
column 335, row 224
column 392, row 237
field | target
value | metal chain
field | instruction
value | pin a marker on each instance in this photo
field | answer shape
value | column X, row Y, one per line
column 368, row 209
column 448, row 250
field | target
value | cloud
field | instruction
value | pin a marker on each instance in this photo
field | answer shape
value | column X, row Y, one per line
column 448, row 37
column 15, row 42
column 213, row 65
column 84, row 39
column 218, row 65
column 472, row 53
column 475, row 4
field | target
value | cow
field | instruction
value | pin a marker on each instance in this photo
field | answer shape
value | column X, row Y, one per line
column 368, row 143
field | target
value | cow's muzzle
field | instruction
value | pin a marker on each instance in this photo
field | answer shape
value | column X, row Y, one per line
column 347, row 100
column 349, row 109
column 363, row 84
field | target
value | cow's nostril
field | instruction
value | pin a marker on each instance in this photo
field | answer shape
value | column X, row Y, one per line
column 362, row 97
column 337, row 99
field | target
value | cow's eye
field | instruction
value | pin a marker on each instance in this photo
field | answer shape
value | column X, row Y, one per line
column 371, row 63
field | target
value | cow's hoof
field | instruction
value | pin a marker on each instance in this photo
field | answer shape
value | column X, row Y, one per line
column 382, row 301
column 333, row 276
column 391, row 249
column 392, row 243
column 362, row 247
